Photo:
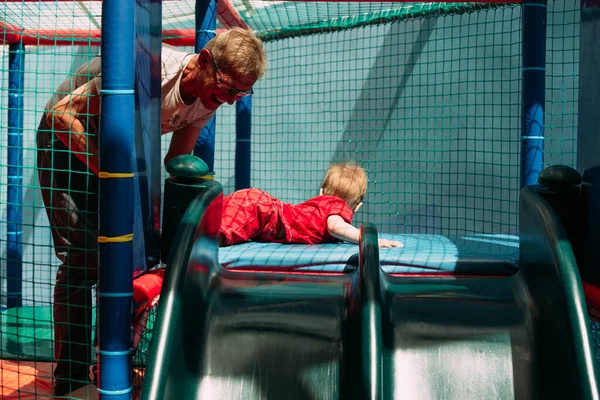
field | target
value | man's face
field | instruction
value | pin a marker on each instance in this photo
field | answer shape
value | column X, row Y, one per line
column 217, row 87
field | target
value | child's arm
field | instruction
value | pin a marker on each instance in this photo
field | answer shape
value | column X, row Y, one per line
column 340, row 229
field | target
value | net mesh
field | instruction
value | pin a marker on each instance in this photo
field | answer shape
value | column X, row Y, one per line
column 562, row 83
column 425, row 96
column 26, row 332
column 432, row 116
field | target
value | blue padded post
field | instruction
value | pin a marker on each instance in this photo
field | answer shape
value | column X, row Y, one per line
column 243, row 128
column 116, row 199
column 14, row 195
column 533, row 90
column 206, row 25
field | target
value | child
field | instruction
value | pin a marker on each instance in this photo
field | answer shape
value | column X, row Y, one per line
column 254, row 215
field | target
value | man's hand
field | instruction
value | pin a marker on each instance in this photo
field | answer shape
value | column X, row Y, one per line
column 384, row 243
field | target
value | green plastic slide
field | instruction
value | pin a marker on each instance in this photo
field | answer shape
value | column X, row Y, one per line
column 366, row 334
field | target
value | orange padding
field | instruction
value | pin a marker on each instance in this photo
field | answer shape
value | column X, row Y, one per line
column 25, row 380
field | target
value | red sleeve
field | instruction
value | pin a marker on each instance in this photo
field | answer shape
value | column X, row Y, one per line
column 336, row 206
column 307, row 222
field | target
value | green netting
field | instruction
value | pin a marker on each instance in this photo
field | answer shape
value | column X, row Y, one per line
column 294, row 19
column 562, row 83
column 429, row 106
column 27, row 332
column 427, row 97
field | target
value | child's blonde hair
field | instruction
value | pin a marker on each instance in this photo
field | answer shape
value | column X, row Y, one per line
column 347, row 181
column 238, row 50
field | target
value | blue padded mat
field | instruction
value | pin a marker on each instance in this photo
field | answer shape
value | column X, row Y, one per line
column 421, row 254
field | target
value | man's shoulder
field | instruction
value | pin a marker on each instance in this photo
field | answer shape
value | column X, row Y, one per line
column 173, row 60
column 91, row 68
column 168, row 51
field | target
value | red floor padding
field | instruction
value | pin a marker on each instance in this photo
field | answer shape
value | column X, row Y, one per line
column 25, row 380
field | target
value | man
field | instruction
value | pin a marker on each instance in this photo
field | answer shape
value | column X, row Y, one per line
column 193, row 87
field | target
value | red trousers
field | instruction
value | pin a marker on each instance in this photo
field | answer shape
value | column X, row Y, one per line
column 251, row 214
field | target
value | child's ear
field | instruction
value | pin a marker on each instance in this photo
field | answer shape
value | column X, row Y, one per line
column 321, row 192
column 357, row 206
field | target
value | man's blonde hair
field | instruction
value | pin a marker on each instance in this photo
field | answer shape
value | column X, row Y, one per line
column 347, row 181
column 239, row 51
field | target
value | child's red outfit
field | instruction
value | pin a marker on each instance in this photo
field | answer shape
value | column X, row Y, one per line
column 255, row 215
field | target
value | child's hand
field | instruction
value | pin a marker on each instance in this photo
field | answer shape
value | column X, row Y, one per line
column 384, row 243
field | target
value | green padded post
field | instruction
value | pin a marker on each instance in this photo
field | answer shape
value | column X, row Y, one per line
column 372, row 376
column 183, row 185
column 590, row 199
column 559, row 177
column 562, row 360
column 560, row 188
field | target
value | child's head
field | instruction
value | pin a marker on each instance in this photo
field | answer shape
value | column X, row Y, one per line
column 347, row 181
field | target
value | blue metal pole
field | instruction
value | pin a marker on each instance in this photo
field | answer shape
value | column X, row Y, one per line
column 243, row 130
column 116, row 199
column 206, row 29
column 14, row 250
column 533, row 89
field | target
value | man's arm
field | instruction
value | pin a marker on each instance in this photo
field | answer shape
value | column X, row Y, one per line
column 183, row 141
column 65, row 119
column 340, row 229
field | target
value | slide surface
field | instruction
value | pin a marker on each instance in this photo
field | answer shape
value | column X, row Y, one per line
column 474, row 339
column 293, row 334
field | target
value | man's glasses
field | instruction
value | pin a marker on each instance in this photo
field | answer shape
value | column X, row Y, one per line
column 232, row 90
